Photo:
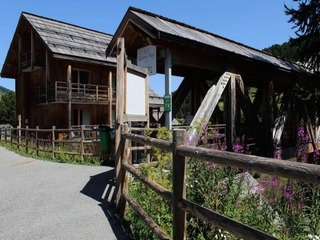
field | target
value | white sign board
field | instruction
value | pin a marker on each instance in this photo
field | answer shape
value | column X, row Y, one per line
column 147, row 58
column 135, row 95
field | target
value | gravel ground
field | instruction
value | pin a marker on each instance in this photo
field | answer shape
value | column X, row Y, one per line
column 47, row 200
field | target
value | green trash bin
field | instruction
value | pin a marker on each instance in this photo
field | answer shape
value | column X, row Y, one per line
column 105, row 138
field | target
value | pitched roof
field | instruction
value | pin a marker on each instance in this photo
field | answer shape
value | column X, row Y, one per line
column 154, row 99
column 162, row 27
column 70, row 40
column 64, row 40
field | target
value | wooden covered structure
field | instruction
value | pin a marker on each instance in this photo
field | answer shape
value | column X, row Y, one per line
column 228, row 82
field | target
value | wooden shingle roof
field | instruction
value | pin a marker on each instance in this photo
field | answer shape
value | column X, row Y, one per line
column 154, row 99
column 65, row 39
column 160, row 27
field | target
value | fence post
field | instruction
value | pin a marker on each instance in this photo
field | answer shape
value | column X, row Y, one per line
column 81, row 143
column 179, row 186
column 5, row 135
column 53, row 141
column 37, row 142
column 19, row 132
column 27, row 138
column 122, row 180
column 11, row 136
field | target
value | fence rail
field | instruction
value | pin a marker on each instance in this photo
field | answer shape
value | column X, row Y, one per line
column 177, row 198
column 55, row 141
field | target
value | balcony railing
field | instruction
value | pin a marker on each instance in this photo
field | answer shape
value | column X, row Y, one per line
column 80, row 93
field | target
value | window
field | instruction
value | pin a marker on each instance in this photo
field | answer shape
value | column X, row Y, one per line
column 80, row 76
column 80, row 117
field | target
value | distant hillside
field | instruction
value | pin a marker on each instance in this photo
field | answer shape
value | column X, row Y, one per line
column 3, row 90
column 284, row 50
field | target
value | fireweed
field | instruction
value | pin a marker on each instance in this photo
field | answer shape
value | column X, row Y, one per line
column 303, row 140
column 285, row 209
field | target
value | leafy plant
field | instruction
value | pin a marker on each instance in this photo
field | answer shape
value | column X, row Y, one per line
column 156, row 207
column 284, row 208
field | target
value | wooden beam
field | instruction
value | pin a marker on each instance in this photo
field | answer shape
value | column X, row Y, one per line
column 280, row 121
column 248, row 111
column 110, row 98
column 309, row 127
column 208, row 105
column 69, row 76
column 32, row 50
column 146, row 218
column 168, row 73
column 268, row 116
column 292, row 170
column 147, row 100
column 179, row 97
column 218, row 220
column 121, row 68
column 231, row 112
column 135, row 118
column 257, row 101
column 195, row 94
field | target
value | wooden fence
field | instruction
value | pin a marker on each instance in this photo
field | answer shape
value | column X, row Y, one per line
column 181, row 206
column 82, row 140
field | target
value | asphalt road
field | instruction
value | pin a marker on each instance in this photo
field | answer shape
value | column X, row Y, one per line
column 47, row 200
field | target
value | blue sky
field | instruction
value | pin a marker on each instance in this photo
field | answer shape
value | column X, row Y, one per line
column 256, row 23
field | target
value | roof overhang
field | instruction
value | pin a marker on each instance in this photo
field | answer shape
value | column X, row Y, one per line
column 195, row 48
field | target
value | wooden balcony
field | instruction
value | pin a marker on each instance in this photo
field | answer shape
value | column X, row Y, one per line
column 80, row 93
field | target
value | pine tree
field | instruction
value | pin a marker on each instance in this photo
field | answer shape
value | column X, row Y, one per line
column 306, row 20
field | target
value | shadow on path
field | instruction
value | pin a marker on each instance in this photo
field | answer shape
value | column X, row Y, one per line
column 101, row 188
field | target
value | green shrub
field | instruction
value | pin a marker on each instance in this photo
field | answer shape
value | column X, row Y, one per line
column 284, row 208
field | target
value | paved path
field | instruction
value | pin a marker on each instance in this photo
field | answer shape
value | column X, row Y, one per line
column 47, row 200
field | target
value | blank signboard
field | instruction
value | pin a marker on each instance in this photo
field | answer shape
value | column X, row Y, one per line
column 135, row 95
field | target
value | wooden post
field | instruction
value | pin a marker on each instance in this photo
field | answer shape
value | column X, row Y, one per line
column 11, row 136
column 231, row 132
column 26, row 138
column 168, row 67
column 47, row 77
column 53, row 141
column 179, row 186
column 81, row 143
column 147, row 100
column 56, row 91
column 37, row 141
column 120, row 102
column 69, row 76
column 110, row 98
column 32, row 50
column 97, row 93
column 19, row 131
column 5, row 135
column 268, row 117
column 122, row 180
column 195, row 94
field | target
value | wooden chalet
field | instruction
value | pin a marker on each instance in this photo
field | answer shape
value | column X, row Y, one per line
column 62, row 75
column 227, row 82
